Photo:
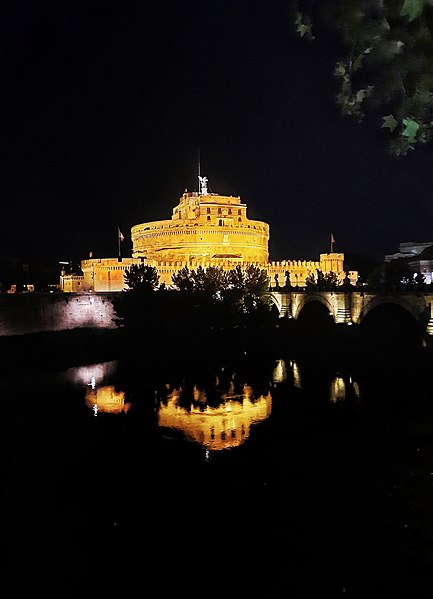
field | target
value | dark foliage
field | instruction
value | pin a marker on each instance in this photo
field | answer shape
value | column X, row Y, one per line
column 383, row 65
column 207, row 308
column 322, row 281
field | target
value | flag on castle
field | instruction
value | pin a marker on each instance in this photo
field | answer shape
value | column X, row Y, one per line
column 120, row 238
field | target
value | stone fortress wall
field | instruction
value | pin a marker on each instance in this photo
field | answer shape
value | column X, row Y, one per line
column 203, row 227
column 107, row 274
column 24, row 313
column 205, row 230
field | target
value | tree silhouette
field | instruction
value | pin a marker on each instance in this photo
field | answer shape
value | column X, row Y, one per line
column 320, row 281
column 235, row 292
column 141, row 277
column 136, row 306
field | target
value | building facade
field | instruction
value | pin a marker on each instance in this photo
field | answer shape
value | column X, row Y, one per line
column 418, row 256
column 206, row 229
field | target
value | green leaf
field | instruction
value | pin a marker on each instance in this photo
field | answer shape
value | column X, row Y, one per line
column 303, row 25
column 340, row 69
column 302, row 29
column 410, row 129
column 390, row 122
column 357, row 62
column 364, row 93
column 412, row 9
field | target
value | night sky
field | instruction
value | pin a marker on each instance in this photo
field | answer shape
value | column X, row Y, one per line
column 107, row 105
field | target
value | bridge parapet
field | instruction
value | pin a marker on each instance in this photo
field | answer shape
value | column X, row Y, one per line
column 351, row 307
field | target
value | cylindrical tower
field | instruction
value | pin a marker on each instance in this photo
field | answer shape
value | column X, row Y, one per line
column 203, row 227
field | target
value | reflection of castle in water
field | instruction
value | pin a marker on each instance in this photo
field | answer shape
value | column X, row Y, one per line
column 222, row 427
column 222, row 416
column 106, row 399
column 100, row 396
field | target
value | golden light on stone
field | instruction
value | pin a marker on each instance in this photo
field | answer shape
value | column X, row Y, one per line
column 203, row 226
column 216, row 428
column 205, row 229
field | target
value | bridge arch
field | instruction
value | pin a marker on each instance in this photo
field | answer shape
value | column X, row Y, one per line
column 308, row 298
column 391, row 326
column 315, row 318
column 401, row 301
column 277, row 299
column 291, row 304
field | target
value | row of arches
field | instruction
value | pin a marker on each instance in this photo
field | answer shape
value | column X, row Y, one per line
column 387, row 324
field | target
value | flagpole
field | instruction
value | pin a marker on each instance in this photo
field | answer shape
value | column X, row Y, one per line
column 119, row 239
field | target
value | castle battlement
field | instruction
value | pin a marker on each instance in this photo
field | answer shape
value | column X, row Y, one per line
column 205, row 230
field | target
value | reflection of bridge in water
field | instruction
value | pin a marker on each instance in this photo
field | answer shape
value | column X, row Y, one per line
column 352, row 307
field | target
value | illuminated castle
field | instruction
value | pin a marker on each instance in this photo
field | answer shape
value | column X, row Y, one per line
column 206, row 229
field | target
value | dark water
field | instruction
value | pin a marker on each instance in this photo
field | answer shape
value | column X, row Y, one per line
column 291, row 478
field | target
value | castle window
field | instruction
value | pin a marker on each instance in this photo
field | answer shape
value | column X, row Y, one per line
column 208, row 210
column 219, row 210
column 208, row 218
column 239, row 219
column 239, row 212
column 220, row 223
column 230, row 210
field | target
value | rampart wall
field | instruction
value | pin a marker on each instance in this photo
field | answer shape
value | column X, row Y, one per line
column 24, row 313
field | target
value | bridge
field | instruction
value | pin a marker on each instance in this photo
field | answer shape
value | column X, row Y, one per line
column 352, row 307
